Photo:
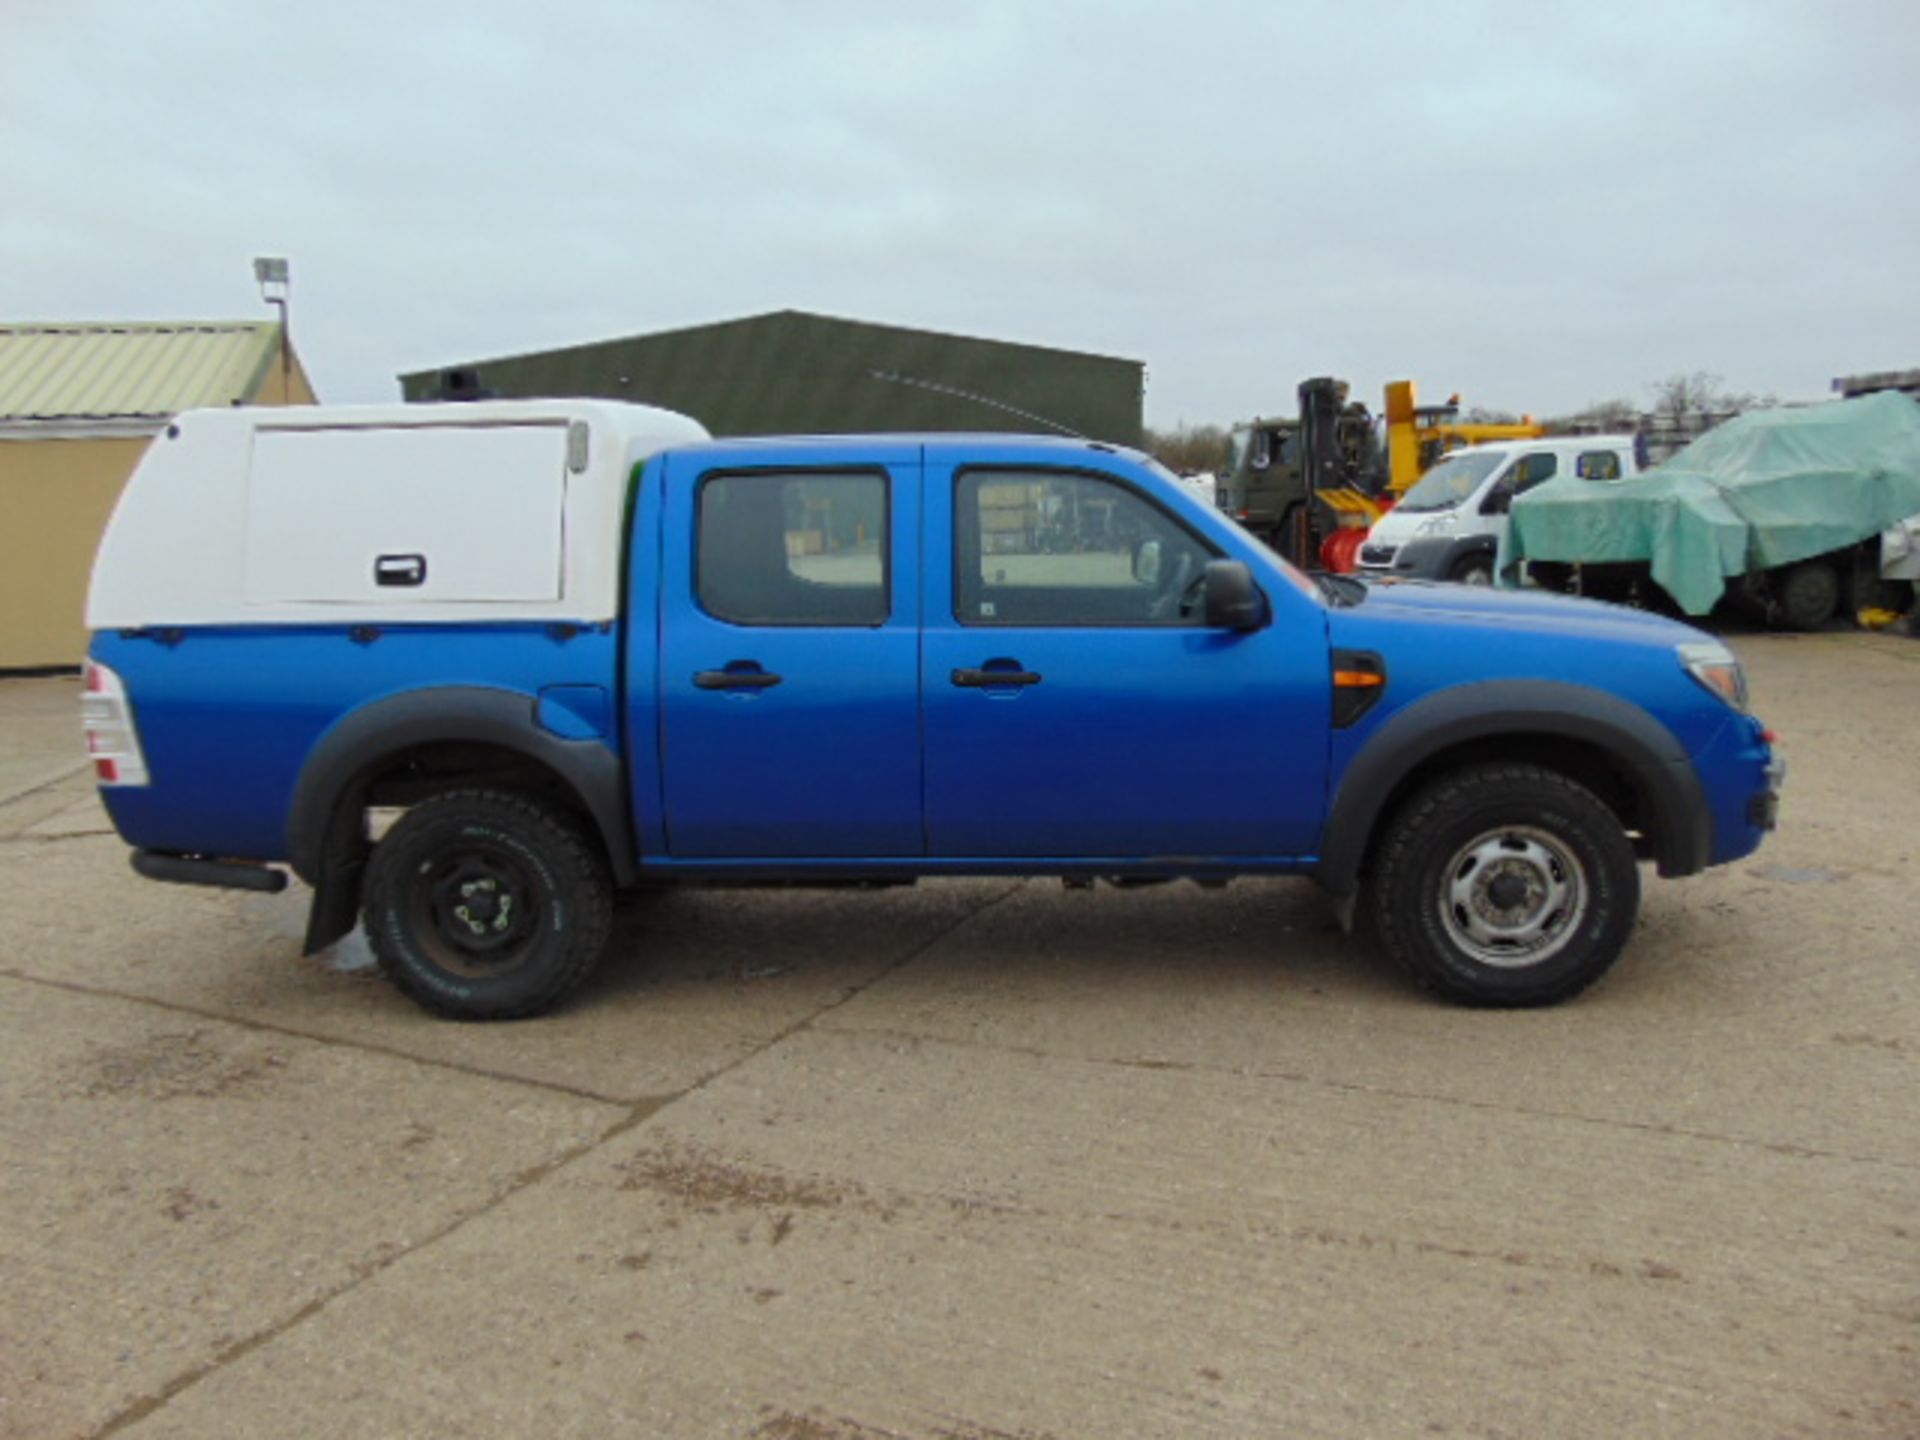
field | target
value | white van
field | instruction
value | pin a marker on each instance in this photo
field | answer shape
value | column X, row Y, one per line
column 1449, row 524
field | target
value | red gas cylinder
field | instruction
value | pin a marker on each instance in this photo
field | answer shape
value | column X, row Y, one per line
column 1340, row 552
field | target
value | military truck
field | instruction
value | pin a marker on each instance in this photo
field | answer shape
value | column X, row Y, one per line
column 1296, row 483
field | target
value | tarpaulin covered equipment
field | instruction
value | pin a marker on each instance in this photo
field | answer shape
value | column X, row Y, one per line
column 1765, row 489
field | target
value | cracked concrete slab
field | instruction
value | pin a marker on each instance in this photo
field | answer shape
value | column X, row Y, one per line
column 71, row 798
column 72, row 818
column 40, row 717
column 857, row 1236
column 1710, row 1025
column 175, row 1187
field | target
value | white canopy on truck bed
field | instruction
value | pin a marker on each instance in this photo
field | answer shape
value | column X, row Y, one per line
column 491, row 510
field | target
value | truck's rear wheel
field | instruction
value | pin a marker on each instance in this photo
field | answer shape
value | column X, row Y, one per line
column 482, row 905
column 1551, row 575
column 1506, row 885
column 1807, row 594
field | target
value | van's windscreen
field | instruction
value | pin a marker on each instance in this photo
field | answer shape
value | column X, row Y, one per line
column 1451, row 481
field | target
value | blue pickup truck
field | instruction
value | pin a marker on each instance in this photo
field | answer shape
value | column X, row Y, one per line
column 468, row 670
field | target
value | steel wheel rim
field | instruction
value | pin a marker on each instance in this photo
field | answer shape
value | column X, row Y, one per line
column 474, row 912
column 1513, row 897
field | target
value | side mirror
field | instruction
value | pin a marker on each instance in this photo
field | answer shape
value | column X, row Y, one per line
column 1499, row 502
column 1234, row 602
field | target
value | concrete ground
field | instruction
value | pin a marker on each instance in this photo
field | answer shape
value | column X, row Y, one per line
column 979, row 1160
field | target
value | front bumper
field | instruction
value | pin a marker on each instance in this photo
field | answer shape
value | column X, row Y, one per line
column 1425, row 559
column 1763, row 810
column 1743, row 778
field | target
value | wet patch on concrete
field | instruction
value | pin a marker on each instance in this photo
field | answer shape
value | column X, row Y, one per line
column 172, row 1066
column 707, row 1183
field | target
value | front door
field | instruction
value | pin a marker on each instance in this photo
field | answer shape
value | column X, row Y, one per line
column 1076, row 704
column 788, row 673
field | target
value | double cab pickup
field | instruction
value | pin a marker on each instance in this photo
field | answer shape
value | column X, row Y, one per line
column 468, row 670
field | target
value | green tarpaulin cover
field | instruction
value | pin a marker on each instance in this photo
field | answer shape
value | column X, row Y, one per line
column 1764, row 489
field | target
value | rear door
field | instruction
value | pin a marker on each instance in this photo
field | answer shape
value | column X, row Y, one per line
column 788, row 659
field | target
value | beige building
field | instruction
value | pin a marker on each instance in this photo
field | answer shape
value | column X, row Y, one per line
column 78, row 404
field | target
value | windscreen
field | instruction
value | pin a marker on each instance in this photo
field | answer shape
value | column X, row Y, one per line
column 1451, row 481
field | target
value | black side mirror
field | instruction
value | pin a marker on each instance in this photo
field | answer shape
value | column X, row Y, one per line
column 1234, row 602
column 1499, row 502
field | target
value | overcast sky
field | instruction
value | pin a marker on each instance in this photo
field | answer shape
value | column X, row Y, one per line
column 1538, row 205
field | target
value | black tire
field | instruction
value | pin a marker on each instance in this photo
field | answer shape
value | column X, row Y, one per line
column 1611, row 588
column 1551, row 575
column 1445, row 852
column 1653, row 596
column 1472, row 570
column 482, row 905
column 1807, row 595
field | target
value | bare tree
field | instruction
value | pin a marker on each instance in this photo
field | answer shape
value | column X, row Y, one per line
column 1686, row 406
column 1702, row 393
column 1598, row 418
column 1681, row 395
column 1187, row 449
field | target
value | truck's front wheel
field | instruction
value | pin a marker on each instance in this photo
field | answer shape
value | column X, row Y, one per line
column 482, row 905
column 1808, row 594
column 1474, row 569
column 1506, row 885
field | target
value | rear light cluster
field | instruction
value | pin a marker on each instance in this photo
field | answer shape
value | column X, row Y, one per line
column 107, row 718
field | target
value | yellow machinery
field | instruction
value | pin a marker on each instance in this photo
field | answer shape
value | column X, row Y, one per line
column 1418, row 436
column 1313, row 487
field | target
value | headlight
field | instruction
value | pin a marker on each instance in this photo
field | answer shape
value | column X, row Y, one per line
column 1437, row 524
column 1715, row 667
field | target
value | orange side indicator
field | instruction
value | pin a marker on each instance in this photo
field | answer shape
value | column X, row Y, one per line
column 1357, row 679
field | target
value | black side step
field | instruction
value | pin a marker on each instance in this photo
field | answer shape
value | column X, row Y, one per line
column 193, row 870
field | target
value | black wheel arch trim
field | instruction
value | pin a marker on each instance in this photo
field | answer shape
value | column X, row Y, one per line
column 1680, row 825
column 324, row 846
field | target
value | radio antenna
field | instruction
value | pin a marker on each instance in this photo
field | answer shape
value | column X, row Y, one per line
column 893, row 377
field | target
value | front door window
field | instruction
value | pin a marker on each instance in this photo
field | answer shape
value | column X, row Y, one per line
column 1061, row 549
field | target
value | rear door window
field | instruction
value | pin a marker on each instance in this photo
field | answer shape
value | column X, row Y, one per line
column 793, row 548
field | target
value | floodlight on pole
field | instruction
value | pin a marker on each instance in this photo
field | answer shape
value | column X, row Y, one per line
column 270, row 274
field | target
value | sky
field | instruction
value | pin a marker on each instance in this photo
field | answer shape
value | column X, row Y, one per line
column 1538, row 205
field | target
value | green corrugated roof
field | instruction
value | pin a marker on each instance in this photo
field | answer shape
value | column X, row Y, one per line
column 149, row 369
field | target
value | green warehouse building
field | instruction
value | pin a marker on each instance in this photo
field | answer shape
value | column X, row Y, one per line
column 794, row 373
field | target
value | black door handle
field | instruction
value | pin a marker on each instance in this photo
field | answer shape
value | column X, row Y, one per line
column 976, row 679
column 735, row 679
